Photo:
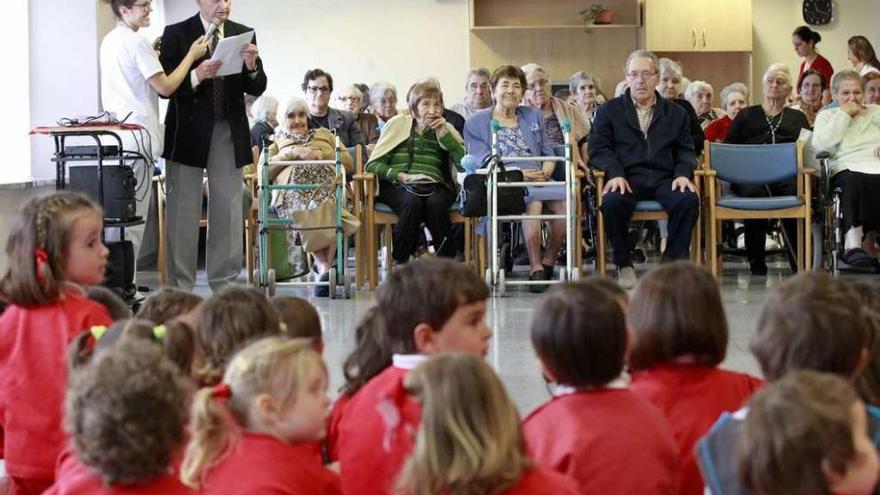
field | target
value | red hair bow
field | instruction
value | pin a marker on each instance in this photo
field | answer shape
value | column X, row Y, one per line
column 41, row 257
column 221, row 391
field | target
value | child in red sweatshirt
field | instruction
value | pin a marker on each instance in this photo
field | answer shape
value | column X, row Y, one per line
column 54, row 250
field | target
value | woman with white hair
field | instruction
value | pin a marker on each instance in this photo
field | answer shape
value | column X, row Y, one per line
column 351, row 99
column 295, row 141
column 699, row 94
column 383, row 100
column 771, row 122
column 265, row 113
column 587, row 94
column 734, row 98
column 556, row 111
column 671, row 76
column 851, row 133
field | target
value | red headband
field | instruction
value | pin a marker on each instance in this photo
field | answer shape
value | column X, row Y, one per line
column 41, row 257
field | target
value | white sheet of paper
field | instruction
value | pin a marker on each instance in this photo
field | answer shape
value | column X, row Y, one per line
column 228, row 51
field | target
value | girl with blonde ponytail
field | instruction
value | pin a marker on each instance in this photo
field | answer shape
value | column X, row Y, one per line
column 470, row 441
column 255, row 431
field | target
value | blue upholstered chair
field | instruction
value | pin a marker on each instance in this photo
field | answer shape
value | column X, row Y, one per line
column 758, row 165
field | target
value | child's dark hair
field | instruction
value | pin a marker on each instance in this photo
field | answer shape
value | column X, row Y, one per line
column 796, row 428
column 579, row 333
column 126, row 413
column 300, row 318
column 116, row 307
column 611, row 286
column 425, row 291
column 168, row 304
column 675, row 311
column 810, row 321
column 37, row 247
column 371, row 354
column 175, row 338
column 230, row 320
column 115, row 4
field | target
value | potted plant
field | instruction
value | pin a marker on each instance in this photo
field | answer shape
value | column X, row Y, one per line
column 597, row 14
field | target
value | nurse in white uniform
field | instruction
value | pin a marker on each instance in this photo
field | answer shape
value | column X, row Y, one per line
column 131, row 81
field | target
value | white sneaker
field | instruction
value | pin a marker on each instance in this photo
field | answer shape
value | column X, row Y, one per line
column 626, row 277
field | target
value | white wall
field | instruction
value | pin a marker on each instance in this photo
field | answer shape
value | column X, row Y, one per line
column 15, row 125
column 774, row 20
column 355, row 40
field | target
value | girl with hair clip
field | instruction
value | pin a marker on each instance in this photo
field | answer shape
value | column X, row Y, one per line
column 54, row 249
column 427, row 307
column 228, row 321
column 170, row 303
column 255, row 431
column 134, row 389
column 470, row 441
column 679, row 338
column 175, row 339
column 579, row 334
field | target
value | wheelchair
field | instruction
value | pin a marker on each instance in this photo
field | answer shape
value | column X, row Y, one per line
column 828, row 219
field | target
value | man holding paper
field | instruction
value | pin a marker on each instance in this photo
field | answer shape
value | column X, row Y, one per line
column 206, row 128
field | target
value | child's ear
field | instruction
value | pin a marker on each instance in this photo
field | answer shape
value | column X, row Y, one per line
column 425, row 339
column 547, row 372
column 266, row 407
column 832, row 477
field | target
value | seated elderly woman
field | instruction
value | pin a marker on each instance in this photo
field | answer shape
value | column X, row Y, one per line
column 851, row 133
column 383, row 101
column 351, row 98
column 734, row 98
column 670, row 88
column 809, row 100
column 771, row 122
column 522, row 133
column 872, row 88
column 699, row 94
column 415, row 160
column 555, row 110
column 264, row 110
column 295, row 141
column 587, row 94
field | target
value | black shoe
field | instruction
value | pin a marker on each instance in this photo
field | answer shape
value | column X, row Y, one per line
column 323, row 290
column 538, row 275
column 548, row 271
column 638, row 255
column 758, row 267
column 858, row 258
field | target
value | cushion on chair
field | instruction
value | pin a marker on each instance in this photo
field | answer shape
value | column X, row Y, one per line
column 773, row 203
column 382, row 208
column 649, row 206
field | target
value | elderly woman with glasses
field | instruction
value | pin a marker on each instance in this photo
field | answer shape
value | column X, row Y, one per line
column 851, row 133
column 771, row 122
column 734, row 98
column 294, row 140
column 699, row 95
column 351, row 99
column 317, row 86
column 556, row 111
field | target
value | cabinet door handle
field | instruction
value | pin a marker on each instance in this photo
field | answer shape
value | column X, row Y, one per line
column 704, row 37
column 694, row 37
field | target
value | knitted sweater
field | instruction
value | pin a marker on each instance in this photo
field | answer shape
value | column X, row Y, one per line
column 852, row 142
column 427, row 154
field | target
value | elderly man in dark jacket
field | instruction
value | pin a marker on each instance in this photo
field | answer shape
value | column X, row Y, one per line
column 643, row 144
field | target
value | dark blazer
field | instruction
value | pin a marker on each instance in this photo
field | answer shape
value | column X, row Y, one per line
column 697, row 134
column 618, row 146
column 260, row 133
column 346, row 126
column 190, row 118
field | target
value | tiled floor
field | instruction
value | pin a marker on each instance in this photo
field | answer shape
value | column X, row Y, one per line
column 510, row 316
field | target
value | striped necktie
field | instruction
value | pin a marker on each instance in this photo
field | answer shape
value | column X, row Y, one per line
column 218, row 99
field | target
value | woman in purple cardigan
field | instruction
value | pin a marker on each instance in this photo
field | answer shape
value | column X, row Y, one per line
column 522, row 134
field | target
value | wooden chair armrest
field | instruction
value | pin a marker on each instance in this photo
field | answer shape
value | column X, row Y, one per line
column 366, row 177
column 810, row 171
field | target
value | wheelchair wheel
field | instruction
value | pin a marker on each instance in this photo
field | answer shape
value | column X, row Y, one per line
column 270, row 286
column 505, row 258
column 332, row 281
column 500, row 287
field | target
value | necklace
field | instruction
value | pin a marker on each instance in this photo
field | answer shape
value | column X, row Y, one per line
column 773, row 128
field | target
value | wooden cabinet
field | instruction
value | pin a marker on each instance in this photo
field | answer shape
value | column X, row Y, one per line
column 698, row 25
column 552, row 34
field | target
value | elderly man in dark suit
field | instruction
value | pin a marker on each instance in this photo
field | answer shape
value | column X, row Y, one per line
column 643, row 143
column 207, row 128
column 317, row 86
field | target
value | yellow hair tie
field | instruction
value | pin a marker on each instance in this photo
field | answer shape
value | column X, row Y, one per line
column 159, row 331
column 98, row 331
column 240, row 363
column 282, row 326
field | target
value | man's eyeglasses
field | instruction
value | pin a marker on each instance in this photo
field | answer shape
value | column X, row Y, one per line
column 644, row 75
column 145, row 5
column 346, row 99
column 318, row 89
